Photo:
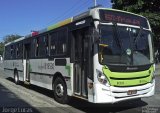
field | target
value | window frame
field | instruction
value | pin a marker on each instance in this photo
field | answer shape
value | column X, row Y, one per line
column 57, row 31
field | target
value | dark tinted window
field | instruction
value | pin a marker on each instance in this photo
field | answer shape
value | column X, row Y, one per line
column 7, row 53
column 43, row 46
column 46, row 47
column 37, row 44
column 19, row 50
column 62, row 37
column 58, row 42
column 12, row 51
column 53, row 45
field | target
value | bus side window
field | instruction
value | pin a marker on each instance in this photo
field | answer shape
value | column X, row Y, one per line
column 46, row 44
column 7, row 53
column 36, row 46
column 43, row 46
column 33, row 48
column 11, row 51
column 17, row 50
column 62, row 37
column 53, row 44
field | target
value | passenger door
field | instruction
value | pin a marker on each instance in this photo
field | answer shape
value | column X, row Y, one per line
column 81, row 66
column 26, row 62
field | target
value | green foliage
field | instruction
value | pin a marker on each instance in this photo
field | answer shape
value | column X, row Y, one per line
column 7, row 39
column 1, row 48
column 10, row 38
column 147, row 8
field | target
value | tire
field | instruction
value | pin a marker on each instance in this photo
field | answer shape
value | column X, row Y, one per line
column 60, row 91
column 16, row 78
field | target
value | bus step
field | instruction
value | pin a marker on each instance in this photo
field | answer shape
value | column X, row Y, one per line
column 77, row 93
column 80, row 97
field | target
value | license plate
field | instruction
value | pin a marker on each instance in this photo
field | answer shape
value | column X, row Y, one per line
column 131, row 92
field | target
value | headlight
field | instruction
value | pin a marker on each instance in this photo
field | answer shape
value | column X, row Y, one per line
column 102, row 78
column 153, row 76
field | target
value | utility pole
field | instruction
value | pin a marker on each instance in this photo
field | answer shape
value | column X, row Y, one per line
column 95, row 3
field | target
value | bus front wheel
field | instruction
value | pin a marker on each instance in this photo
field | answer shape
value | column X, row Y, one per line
column 60, row 91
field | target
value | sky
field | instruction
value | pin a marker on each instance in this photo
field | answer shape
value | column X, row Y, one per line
column 23, row 16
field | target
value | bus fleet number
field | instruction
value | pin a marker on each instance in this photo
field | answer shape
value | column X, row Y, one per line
column 49, row 65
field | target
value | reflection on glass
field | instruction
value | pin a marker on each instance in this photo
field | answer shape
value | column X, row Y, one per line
column 121, row 45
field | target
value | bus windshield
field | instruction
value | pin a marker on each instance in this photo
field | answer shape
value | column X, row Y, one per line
column 122, row 45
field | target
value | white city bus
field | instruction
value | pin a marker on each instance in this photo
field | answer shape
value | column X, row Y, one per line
column 102, row 55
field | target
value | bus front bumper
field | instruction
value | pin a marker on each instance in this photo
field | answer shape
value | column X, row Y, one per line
column 112, row 94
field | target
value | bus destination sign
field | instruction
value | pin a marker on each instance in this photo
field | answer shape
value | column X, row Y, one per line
column 123, row 18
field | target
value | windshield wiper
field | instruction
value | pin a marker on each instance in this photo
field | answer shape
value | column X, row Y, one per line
column 138, row 36
column 116, row 37
column 131, row 45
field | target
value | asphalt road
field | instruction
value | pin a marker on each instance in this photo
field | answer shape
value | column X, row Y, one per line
column 32, row 99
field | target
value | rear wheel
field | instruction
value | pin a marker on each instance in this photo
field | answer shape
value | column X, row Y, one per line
column 16, row 78
column 60, row 91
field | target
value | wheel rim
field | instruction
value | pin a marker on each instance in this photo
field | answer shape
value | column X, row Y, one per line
column 59, row 90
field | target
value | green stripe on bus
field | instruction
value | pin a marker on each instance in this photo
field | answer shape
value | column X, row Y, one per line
column 68, row 68
column 131, row 82
column 130, row 78
column 67, row 21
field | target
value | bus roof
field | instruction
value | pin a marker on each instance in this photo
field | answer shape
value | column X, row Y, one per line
column 70, row 20
column 78, row 17
column 17, row 40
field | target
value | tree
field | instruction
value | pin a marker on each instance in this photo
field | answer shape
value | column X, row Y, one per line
column 7, row 39
column 10, row 38
column 1, row 48
column 147, row 8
